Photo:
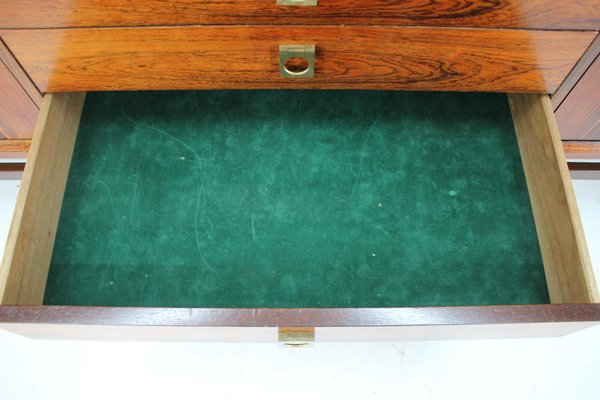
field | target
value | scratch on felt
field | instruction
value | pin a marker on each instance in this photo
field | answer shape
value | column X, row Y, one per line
column 441, row 275
column 110, row 196
column 201, row 192
column 164, row 133
column 210, row 267
column 382, row 230
column 252, row 226
column 292, row 283
column 361, row 165
column 360, row 170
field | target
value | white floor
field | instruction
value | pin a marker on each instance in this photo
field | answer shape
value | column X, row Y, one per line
column 563, row 368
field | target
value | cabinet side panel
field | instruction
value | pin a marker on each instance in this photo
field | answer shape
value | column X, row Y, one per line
column 17, row 71
column 579, row 114
column 17, row 111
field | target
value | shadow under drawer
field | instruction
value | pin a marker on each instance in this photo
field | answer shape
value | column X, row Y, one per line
column 296, row 199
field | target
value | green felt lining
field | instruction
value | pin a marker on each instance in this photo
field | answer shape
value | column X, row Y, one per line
column 296, row 199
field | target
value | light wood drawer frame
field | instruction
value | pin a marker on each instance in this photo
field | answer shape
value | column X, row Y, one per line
column 26, row 260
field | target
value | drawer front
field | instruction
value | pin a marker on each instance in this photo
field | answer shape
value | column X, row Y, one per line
column 346, row 57
column 532, row 14
column 262, row 325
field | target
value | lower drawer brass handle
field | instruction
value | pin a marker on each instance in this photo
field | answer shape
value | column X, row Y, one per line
column 297, row 2
column 296, row 336
column 297, row 61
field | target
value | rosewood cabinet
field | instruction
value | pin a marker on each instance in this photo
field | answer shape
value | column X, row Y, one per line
column 524, row 48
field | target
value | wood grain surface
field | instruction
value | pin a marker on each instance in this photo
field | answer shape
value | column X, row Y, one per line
column 567, row 263
column 531, row 14
column 576, row 73
column 346, row 57
column 579, row 114
column 581, row 150
column 14, row 145
column 17, row 111
column 300, row 317
column 15, row 69
column 26, row 257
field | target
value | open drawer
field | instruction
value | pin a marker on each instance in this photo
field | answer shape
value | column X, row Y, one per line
column 320, row 219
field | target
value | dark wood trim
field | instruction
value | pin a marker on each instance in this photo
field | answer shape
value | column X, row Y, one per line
column 584, row 166
column 12, row 167
column 576, row 73
column 300, row 317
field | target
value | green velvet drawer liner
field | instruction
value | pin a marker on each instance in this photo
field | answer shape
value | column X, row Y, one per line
column 296, row 199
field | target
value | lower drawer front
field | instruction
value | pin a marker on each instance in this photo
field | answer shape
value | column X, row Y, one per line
column 218, row 57
column 566, row 264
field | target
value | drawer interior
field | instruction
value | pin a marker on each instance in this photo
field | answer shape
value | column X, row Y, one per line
column 296, row 199
column 292, row 199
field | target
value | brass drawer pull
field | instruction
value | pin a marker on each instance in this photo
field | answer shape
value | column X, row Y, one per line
column 297, row 2
column 297, row 61
column 296, row 336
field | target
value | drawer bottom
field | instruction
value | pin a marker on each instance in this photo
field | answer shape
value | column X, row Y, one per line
column 296, row 199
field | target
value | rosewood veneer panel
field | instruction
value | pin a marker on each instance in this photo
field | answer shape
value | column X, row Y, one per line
column 18, row 112
column 579, row 114
column 363, row 57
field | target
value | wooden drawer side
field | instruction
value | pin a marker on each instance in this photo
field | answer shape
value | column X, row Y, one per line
column 567, row 263
column 26, row 258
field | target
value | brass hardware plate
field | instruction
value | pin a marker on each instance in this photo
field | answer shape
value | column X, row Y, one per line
column 296, row 337
column 304, row 53
column 297, row 2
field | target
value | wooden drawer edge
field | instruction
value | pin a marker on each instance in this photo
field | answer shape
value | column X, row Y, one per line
column 301, row 317
column 260, row 325
column 14, row 146
column 582, row 150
